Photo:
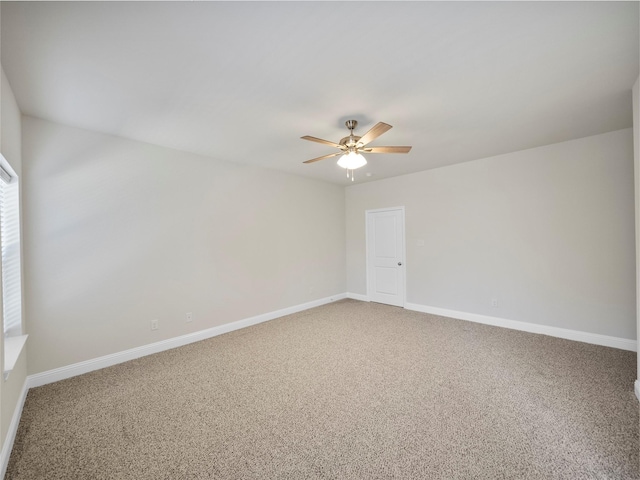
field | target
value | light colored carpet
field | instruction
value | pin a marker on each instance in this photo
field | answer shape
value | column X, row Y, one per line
column 349, row 390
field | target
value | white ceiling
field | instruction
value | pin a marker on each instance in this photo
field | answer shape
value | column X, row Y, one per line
column 243, row 81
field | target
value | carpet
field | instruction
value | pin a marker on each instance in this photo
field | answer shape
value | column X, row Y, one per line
column 349, row 390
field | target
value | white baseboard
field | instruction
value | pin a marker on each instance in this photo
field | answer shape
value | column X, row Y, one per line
column 87, row 366
column 357, row 296
column 13, row 430
column 586, row 337
column 637, row 389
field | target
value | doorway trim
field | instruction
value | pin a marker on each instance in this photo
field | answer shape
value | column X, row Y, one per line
column 404, row 250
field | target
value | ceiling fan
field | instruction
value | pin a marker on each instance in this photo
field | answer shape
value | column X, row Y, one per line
column 351, row 147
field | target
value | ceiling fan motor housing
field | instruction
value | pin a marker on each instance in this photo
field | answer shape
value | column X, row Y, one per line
column 350, row 141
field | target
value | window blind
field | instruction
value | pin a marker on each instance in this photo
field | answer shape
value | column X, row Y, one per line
column 10, row 246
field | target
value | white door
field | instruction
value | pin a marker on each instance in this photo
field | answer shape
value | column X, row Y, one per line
column 385, row 256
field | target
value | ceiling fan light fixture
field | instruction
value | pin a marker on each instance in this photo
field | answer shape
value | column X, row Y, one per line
column 352, row 160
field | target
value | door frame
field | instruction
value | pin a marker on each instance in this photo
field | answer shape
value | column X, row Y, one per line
column 404, row 249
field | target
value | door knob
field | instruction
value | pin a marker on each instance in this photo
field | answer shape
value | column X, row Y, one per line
column 399, row 264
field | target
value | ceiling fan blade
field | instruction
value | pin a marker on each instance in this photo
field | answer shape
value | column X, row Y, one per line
column 319, row 140
column 377, row 130
column 386, row 149
column 323, row 157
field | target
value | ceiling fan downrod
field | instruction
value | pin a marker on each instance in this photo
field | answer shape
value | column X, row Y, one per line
column 350, row 142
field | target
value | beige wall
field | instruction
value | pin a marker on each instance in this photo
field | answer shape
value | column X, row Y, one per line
column 119, row 232
column 549, row 232
column 10, row 127
column 11, row 147
column 636, row 156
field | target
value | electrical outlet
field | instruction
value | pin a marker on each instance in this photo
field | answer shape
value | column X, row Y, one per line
column 494, row 302
column 189, row 317
column 154, row 324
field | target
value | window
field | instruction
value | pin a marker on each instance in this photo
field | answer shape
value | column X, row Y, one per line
column 10, row 265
